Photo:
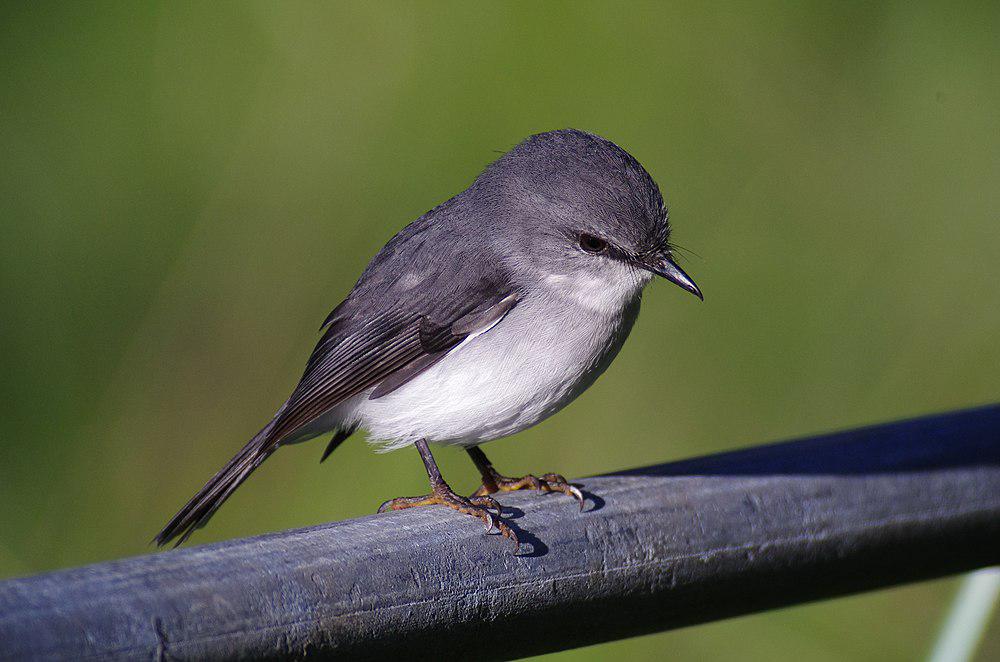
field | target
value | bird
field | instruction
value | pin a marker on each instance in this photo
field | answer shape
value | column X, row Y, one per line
column 481, row 318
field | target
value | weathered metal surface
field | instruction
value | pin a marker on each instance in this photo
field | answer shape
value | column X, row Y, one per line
column 657, row 548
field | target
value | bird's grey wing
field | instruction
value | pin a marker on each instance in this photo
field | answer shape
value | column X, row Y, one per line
column 385, row 351
column 472, row 323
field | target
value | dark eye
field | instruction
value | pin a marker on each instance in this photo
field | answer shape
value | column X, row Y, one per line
column 592, row 244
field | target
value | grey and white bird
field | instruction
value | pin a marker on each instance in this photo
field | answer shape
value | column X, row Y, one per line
column 481, row 318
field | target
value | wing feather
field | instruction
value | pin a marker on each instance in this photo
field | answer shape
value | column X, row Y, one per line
column 384, row 352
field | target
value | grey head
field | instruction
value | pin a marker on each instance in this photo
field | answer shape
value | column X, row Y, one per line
column 569, row 203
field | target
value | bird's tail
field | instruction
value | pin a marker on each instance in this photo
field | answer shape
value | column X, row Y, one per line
column 203, row 505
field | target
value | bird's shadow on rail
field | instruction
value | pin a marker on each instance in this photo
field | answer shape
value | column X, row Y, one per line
column 531, row 545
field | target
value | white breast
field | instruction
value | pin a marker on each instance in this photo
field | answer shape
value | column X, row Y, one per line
column 547, row 350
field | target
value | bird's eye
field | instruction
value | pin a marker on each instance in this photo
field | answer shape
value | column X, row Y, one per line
column 592, row 244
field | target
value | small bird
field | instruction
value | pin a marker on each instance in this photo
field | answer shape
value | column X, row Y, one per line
column 481, row 318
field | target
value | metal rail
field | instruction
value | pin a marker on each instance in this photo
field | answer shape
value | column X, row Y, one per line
column 658, row 548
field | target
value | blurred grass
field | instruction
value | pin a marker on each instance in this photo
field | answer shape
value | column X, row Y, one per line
column 188, row 188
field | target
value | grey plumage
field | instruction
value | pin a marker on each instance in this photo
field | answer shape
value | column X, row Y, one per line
column 454, row 273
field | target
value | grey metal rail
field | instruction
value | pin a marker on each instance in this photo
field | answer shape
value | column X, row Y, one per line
column 658, row 548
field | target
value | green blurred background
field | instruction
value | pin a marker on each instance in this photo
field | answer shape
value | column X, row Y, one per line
column 188, row 189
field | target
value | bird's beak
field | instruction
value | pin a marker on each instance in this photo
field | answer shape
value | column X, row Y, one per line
column 664, row 266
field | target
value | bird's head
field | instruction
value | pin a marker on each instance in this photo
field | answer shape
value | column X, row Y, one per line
column 580, row 212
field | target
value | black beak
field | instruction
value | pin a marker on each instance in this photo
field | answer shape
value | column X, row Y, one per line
column 664, row 266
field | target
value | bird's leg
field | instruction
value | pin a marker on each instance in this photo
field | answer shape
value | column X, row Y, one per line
column 493, row 481
column 441, row 494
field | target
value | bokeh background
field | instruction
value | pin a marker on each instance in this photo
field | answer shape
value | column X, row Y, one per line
column 187, row 189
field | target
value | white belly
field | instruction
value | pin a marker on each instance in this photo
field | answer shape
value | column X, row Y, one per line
column 526, row 368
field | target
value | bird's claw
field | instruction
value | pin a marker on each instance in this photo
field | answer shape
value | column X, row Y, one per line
column 479, row 506
column 547, row 483
column 486, row 501
column 556, row 483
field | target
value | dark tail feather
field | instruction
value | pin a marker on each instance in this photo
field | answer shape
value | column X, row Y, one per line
column 203, row 505
column 338, row 438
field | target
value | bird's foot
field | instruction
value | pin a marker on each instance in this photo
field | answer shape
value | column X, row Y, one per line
column 478, row 505
column 547, row 483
